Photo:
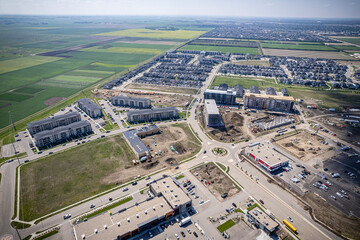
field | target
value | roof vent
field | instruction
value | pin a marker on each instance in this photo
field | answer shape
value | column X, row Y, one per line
column 137, row 215
column 83, row 236
column 118, row 224
column 105, row 227
column 95, row 231
column 145, row 211
column 128, row 219
column 154, row 208
column 161, row 205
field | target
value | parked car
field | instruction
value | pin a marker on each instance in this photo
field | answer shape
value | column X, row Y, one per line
column 67, row 216
column 182, row 233
column 262, row 202
column 92, row 205
column 195, row 234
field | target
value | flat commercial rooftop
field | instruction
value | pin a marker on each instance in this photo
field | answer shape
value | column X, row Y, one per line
column 211, row 107
column 135, row 141
column 267, row 153
column 288, row 98
column 130, row 219
column 171, row 192
column 263, row 218
column 227, row 92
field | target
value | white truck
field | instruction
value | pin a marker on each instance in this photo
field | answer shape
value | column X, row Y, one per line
column 184, row 221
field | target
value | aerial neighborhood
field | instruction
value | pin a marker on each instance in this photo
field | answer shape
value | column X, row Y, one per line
column 179, row 128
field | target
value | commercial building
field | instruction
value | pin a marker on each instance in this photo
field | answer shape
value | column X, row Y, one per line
column 173, row 194
column 212, row 114
column 89, row 107
column 221, row 97
column 126, row 101
column 152, row 114
column 62, row 134
column 125, row 223
column 53, row 122
column 266, row 155
column 133, row 137
column 270, row 102
column 261, row 219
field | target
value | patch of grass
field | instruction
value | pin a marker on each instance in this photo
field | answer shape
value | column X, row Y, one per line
column 179, row 176
column 107, row 208
column 355, row 40
column 223, row 49
column 76, row 78
column 143, row 190
column 246, row 82
column 347, row 47
column 41, row 190
column 162, row 88
column 254, row 206
column 14, row 97
column 222, row 166
column 123, row 50
column 226, row 225
column 111, row 65
column 89, row 73
column 328, row 99
column 24, row 62
column 298, row 46
column 19, row 225
column 156, row 34
column 28, row 90
column 239, row 210
column 47, row 235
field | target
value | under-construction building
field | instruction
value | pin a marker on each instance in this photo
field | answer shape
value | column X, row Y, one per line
column 269, row 102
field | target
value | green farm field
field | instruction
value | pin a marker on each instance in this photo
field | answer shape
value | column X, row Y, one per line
column 14, row 97
column 24, row 62
column 28, row 90
column 309, row 47
column 84, row 73
column 156, row 34
column 70, row 182
column 76, row 78
column 123, row 50
column 346, row 47
column 246, row 82
column 252, row 51
column 355, row 40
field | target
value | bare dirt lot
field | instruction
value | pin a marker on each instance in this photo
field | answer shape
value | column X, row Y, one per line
column 218, row 183
column 334, row 219
column 343, row 130
column 305, row 146
column 53, row 100
column 234, row 129
column 178, row 136
column 307, row 54
column 158, row 88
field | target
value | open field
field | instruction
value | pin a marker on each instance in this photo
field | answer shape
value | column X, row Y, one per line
column 157, row 34
column 297, row 46
column 149, row 42
column 76, row 78
column 253, row 63
column 246, row 82
column 219, row 183
column 28, row 90
column 347, row 47
column 333, row 218
column 123, row 50
column 89, row 73
column 157, row 88
column 327, row 99
column 69, row 183
column 14, row 97
column 7, row 53
column 24, row 62
column 252, row 51
column 157, row 45
column 354, row 40
column 306, row 54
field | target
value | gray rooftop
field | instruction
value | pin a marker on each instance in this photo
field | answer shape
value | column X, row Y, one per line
column 89, row 104
column 135, row 141
column 124, row 97
column 211, row 107
column 60, row 129
column 151, row 111
column 53, row 119
column 228, row 92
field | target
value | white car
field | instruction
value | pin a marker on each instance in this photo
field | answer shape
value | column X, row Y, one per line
column 189, row 231
column 290, row 219
column 177, row 236
column 201, row 201
column 333, row 197
column 125, row 189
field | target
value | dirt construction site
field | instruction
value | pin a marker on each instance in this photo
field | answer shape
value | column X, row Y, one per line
column 234, row 130
column 171, row 145
column 305, row 146
column 157, row 99
column 215, row 181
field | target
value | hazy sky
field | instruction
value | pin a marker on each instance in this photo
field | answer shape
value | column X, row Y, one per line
column 240, row 8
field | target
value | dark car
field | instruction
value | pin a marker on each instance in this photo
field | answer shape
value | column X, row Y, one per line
column 182, row 234
column 134, row 183
column 195, row 234
column 27, row 160
column 262, row 202
column 234, row 205
column 51, row 153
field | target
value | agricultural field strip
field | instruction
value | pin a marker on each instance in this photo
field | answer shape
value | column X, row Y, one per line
column 156, row 34
column 123, row 50
column 298, row 46
column 76, row 78
column 24, row 62
column 251, row 50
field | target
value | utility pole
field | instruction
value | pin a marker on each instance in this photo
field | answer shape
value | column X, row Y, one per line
column 18, row 233
column 12, row 134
